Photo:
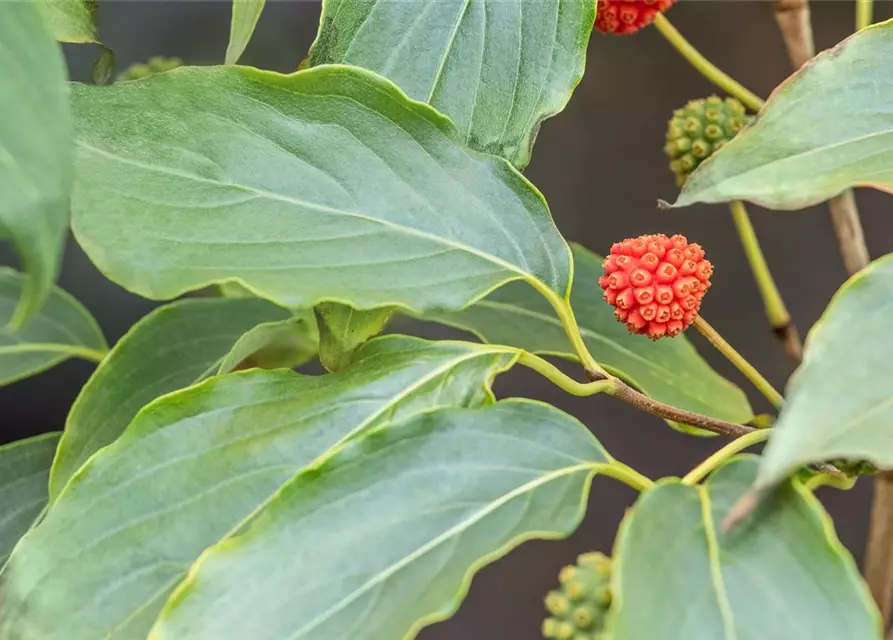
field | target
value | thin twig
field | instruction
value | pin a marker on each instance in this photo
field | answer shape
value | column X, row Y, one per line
column 623, row 391
column 776, row 311
column 848, row 229
column 878, row 568
column 794, row 22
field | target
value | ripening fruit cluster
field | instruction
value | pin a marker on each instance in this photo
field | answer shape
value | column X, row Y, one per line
column 698, row 129
column 623, row 17
column 579, row 608
column 656, row 283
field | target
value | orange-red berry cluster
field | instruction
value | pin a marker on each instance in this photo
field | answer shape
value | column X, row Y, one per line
column 656, row 283
column 628, row 16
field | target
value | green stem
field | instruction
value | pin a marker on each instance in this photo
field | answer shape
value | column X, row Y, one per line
column 864, row 13
column 572, row 329
column 776, row 311
column 735, row 446
column 559, row 378
column 738, row 360
column 775, row 307
column 705, row 67
column 626, row 475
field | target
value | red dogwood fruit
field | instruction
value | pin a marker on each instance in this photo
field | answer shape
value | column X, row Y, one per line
column 628, row 16
column 656, row 283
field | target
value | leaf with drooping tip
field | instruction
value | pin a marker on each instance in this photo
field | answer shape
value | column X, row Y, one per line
column 839, row 404
column 35, row 150
column 829, row 127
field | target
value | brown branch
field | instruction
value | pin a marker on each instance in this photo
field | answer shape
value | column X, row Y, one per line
column 629, row 395
column 624, row 392
column 790, row 340
column 848, row 229
column 793, row 20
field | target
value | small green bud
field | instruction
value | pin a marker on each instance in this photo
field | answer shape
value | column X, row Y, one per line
column 698, row 129
column 579, row 608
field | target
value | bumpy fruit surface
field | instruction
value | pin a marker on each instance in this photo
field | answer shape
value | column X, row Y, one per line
column 579, row 608
column 156, row 64
column 698, row 129
column 628, row 16
column 656, row 283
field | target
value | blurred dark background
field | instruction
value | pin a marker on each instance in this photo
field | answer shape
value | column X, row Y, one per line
column 601, row 167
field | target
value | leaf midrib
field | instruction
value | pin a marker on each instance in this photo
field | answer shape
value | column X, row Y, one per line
column 402, row 229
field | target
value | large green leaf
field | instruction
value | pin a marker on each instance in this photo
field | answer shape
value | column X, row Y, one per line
column 35, row 149
column 246, row 13
column 24, row 469
column 195, row 466
column 343, row 329
column 382, row 538
column 327, row 184
column 781, row 576
column 839, row 403
column 827, row 128
column 173, row 347
column 61, row 329
column 498, row 68
column 668, row 370
column 70, row 20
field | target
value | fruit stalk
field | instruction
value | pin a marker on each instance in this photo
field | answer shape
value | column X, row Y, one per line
column 776, row 311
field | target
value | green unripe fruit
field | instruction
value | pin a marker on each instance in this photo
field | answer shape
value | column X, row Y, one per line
column 155, row 64
column 698, row 129
column 579, row 607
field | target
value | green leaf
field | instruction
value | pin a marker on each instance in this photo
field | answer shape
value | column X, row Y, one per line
column 839, row 403
column 667, row 370
column 173, row 347
column 70, row 20
column 827, row 128
column 24, row 469
column 783, row 575
column 246, row 13
column 498, row 68
column 196, row 465
column 287, row 343
column 343, row 330
column 35, row 150
column 419, row 505
column 62, row 329
column 324, row 184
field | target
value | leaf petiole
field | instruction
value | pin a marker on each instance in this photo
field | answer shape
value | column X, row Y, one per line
column 704, row 66
column 749, row 371
column 562, row 380
column 735, row 446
